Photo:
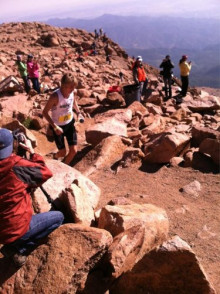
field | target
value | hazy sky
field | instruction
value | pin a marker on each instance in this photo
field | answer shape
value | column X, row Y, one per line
column 30, row 10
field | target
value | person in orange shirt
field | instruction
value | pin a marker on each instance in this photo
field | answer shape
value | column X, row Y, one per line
column 140, row 77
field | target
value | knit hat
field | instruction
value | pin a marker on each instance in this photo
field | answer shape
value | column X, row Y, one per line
column 6, row 143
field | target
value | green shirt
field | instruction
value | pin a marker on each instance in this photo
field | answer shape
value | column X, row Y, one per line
column 22, row 67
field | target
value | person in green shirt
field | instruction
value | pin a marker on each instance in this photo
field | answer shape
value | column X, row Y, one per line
column 22, row 68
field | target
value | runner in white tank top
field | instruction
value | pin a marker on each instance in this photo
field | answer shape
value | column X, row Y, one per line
column 62, row 113
column 61, row 104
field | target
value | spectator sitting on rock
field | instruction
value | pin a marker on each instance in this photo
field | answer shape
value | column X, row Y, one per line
column 61, row 104
column 20, row 229
column 22, row 68
column 33, row 72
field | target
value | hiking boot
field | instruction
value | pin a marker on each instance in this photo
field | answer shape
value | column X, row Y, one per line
column 19, row 259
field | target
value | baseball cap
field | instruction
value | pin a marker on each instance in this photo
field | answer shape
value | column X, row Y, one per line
column 30, row 56
column 139, row 58
column 6, row 143
column 184, row 57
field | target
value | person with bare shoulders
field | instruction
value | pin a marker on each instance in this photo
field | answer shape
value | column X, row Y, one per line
column 61, row 104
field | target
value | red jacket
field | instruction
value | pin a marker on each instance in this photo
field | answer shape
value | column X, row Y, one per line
column 16, row 176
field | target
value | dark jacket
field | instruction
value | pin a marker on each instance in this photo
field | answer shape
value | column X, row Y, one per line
column 16, row 176
column 167, row 66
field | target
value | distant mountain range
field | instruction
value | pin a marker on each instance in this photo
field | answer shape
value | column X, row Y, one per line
column 155, row 37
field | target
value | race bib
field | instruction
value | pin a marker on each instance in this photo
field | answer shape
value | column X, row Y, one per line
column 64, row 117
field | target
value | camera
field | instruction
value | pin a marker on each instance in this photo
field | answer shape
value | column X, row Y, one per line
column 18, row 135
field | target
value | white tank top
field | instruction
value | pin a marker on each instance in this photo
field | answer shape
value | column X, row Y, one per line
column 62, row 114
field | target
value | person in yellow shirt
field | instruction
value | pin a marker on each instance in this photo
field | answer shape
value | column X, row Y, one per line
column 185, row 68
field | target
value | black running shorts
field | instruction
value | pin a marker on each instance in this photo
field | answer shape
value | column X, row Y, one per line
column 69, row 132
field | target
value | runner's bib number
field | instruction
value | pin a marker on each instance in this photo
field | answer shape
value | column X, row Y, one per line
column 65, row 117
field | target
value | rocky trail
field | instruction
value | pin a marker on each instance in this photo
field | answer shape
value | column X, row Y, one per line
column 151, row 153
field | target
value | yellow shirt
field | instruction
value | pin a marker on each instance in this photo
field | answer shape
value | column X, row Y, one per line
column 185, row 68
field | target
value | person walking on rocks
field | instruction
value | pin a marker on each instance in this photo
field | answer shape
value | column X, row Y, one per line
column 33, row 72
column 140, row 77
column 167, row 66
column 61, row 104
column 22, row 68
column 20, row 228
column 185, row 68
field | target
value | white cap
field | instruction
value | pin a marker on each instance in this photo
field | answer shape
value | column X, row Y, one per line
column 139, row 58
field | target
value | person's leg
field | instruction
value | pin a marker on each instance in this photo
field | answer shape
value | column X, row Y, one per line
column 36, row 85
column 41, row 225
column 71, row 136
column 144, row 89
column 59, row 141
column 184, row 85
column 26, row 84
column 170, row 87
column 165, row 86
column 71, row 154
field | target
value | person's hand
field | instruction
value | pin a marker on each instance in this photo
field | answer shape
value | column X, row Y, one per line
column 58, row 130
column 27, row 145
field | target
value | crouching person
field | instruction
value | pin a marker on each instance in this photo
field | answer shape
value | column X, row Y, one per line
column 20, row 229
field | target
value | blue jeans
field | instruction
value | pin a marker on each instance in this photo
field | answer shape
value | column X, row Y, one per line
column 36, row 84
column 41, row 225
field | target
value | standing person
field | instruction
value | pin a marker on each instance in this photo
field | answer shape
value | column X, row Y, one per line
column 140, row 77
column 185, row 68
column 20, row 229
column 33, row 72
column 96, row 34
column 22, row 68
column 167, row 66
column 61, row 104
column 108, row 59
column 100, row 32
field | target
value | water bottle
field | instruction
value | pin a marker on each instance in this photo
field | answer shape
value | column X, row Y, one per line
column 81, row 118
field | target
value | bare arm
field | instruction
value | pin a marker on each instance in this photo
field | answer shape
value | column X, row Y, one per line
column 76, row 106
column 53, row 101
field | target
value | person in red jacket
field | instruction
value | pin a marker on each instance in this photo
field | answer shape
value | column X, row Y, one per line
column 19, row 228
column 140, row 78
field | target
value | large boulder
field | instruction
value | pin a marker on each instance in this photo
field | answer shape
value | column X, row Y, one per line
column 200, row 133
column 63, row 177
column 173, row 268
column 112, row 123
column 104, row 155
column 61, row 265
column 164, row 146
column 200, row 104
column 138, row 229
column 212, row 148
column 78, row 208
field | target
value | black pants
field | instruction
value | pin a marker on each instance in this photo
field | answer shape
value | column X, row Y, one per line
column 185, row 83
column 167, row 86
column 27, row 86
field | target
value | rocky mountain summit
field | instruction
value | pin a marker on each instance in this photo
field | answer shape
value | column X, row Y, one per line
column 115, row 245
